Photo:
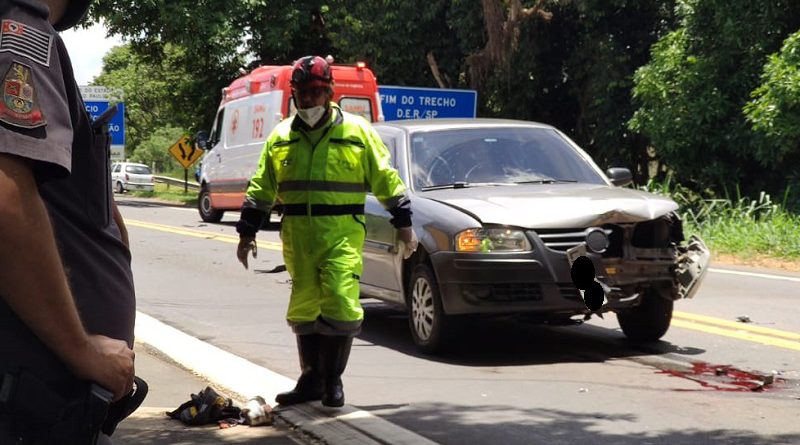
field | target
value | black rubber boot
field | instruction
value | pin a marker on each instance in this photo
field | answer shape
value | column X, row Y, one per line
column 309, row 385
column 335, row 352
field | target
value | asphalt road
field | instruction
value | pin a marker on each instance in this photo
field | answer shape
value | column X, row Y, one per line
column 504, row 382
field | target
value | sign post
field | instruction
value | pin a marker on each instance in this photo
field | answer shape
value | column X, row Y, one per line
column 97, row 100
column 426, row 103
column 186, row 154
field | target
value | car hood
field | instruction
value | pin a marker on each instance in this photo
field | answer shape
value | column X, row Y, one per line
column 544, row 206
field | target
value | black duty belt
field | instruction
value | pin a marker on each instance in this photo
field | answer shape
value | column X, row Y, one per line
column 323, row 209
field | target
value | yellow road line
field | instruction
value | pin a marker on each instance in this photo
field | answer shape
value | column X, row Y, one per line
column 697, row 322
column 736, row 325
column 199, row 234
column 787, row 344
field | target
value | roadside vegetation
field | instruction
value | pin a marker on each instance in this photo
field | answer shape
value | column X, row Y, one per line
column 170, row 193
column 748, row 229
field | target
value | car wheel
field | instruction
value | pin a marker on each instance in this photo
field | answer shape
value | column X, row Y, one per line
column 207, row 212
column 649, row 321
column 426, row 317
column 120, row 188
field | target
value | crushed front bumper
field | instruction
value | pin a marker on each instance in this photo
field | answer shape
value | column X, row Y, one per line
column 691, row 267
column 680, row 269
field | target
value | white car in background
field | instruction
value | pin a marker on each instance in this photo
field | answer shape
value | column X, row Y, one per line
column 130, row 176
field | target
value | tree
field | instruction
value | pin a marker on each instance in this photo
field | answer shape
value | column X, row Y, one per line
column 774, row 111
column 612, row 40
column 217, row 37
column 154, row 91
column 692, row 93
column 503, row 23
column 405, row 42
column 572, row 66
column 153, row 150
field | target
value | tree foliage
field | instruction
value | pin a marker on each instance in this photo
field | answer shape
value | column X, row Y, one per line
column 692, row 93
column 153, row 149
column 217, row 37
column 774, row 111
column 397, row 39
column 154, row 92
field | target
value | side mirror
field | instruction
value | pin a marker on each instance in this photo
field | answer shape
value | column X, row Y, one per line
column 619, row 176
column 202, row 139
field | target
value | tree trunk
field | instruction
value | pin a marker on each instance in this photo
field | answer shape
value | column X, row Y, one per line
column 435, row 70
column 503, row 21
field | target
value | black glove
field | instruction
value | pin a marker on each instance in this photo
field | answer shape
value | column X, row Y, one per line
column 401, row 214
column 250, row 221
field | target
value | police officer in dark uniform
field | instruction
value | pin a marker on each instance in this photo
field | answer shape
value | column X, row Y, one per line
column 67, row 304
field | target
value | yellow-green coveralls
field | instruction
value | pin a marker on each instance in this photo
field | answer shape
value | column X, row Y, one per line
column 322, row 187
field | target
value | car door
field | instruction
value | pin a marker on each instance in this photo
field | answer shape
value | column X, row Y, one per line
column 382, row 277
column 212, row 159
column 115, row 169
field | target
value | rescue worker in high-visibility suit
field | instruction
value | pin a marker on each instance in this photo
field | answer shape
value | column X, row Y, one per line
column 318, row 166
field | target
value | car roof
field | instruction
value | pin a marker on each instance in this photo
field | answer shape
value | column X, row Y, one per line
column 450, row 123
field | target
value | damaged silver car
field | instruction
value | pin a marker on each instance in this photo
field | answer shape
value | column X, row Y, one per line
column 502, row 209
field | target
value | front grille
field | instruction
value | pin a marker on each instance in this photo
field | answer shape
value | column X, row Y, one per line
column 561, row 239
column 569, row 292
column 505, row 292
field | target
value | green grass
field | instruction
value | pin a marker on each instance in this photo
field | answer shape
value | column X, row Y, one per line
column 178, row 174
column 171, row 193
column 742, row 227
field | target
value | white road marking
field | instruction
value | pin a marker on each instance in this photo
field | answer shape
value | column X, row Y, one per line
column 755, row 275
column 248, row 379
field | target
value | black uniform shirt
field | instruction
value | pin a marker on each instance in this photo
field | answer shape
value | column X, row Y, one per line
column 43, row 118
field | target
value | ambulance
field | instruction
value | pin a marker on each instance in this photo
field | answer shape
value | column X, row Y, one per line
column 251, row 106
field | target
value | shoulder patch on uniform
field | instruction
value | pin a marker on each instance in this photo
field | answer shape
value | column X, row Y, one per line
column 20, row 104
column 25, row 40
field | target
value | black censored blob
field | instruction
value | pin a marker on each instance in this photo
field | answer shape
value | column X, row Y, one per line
column 593, row 296
column 582, row 272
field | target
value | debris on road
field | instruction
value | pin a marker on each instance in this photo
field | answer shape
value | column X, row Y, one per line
column 257, row 412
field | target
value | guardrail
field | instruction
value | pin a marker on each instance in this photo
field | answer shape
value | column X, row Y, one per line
column 191, row 185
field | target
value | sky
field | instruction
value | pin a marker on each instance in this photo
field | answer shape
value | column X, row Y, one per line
column 86, row 48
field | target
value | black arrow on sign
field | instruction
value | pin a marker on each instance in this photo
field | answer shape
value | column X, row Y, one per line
column 183, row 152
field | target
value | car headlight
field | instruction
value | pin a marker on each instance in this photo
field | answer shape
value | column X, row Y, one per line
column 492, row 240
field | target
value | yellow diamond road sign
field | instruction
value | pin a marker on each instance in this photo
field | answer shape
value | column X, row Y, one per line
column 185, row 152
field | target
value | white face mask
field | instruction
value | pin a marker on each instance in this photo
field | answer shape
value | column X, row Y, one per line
column 311, row 115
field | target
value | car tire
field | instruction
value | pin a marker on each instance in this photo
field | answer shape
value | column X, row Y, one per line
column 648, row 321
column 207, row 212
column 120, row 188
column 426, row 318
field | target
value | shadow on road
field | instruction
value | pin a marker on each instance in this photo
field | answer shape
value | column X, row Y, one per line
column 506, row 342
column 557, row 427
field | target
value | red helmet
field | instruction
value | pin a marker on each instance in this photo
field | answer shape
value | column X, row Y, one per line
column 311, row 71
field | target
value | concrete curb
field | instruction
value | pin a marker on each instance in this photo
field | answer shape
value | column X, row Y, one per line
column 328, row 425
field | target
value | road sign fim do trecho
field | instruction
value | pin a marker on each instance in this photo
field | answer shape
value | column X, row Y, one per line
column 186, row 153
